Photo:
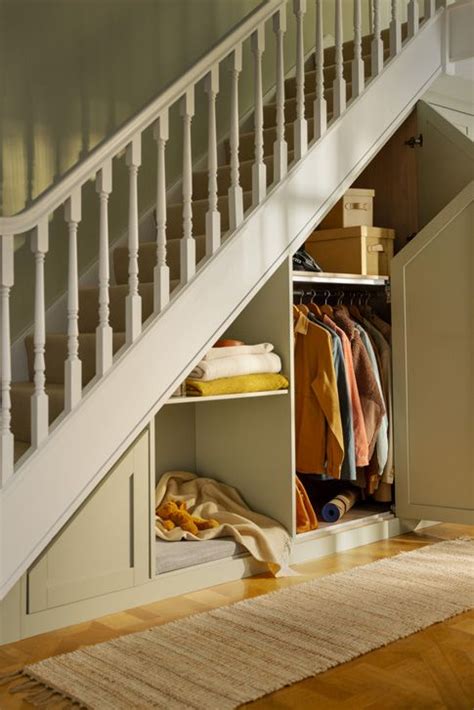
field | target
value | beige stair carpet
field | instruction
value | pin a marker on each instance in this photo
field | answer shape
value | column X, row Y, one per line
column 220, row 659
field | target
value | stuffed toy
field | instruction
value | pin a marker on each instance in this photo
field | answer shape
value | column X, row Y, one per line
column 174, row 514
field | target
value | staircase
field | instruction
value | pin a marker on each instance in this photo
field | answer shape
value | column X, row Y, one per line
column 103, row 380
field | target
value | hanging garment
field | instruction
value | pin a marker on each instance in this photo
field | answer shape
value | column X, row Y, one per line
column 385, row 355
column 360, row 435
column 319, row 437
column 380, row 324
column 371, row 400
column 306, row 519
column 348, row 469
column 381, row 446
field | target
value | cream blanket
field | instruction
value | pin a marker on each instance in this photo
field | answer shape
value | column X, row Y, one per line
column 236, row 365
column 231, row 351
column 265, row 539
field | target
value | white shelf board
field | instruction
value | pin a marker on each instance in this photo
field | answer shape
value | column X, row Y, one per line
column 311, row 277
column 220, row 397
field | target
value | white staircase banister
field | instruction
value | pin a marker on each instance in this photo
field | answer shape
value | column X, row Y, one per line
column 118, row 142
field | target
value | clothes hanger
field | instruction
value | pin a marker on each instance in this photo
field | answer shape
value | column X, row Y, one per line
column 353, row 308
column 340, row 306
column 326, row 308
column 313, row 307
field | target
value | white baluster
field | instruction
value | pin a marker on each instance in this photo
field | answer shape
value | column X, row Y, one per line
column 339, row 83
column 259, row 169
column 395, row 31
column 413, row 17
column 320, row 104
column 236, row 198
column 39, row 400
column 104, row 337
column 133, row 304
column 377, row 43
column 213, row 217
column 430, row 9
column 161, row 274
column 358, row 70
column 188, row 245
column 280, row 146
column 300, row 126
column 73, row 365
column 6, row 282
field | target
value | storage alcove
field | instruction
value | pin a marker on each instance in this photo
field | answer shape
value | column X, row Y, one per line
column 245, row 441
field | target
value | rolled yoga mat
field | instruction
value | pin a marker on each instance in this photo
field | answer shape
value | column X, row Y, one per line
column 338, row 506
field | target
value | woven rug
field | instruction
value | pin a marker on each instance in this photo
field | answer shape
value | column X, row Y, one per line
column 222, row 658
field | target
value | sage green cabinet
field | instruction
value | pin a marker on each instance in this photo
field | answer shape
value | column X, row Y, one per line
column 105, row 547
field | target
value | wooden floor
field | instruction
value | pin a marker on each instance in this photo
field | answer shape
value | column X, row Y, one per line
column 430, row 670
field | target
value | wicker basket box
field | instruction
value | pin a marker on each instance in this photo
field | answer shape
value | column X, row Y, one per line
column 353, row 250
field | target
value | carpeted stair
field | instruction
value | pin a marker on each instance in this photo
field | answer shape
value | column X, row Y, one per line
column 56, row 343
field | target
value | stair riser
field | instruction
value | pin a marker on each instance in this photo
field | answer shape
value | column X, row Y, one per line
column 174, row 218
column 200, row 189
column 147, row 260
column 56, row 354
column 174, row 229
column 88, row 299
column 21, row 411
column 329, row 76
column 269, row 112
column 247, row 141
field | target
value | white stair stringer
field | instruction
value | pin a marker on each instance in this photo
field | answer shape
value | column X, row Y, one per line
column 50, row 485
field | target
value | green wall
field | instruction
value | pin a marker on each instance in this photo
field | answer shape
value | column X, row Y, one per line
column 77, row 70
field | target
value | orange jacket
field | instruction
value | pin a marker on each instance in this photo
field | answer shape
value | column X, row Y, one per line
column 319, row 438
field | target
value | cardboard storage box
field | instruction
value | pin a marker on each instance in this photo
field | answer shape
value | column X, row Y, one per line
column 353, row 250
column 354, row 209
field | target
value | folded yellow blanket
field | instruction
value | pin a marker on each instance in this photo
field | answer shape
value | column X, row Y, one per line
column 263, row 382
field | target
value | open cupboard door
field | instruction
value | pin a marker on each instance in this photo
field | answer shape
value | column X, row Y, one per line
column 433, row 360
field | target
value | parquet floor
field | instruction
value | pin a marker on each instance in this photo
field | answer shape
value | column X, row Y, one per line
column 430, row 670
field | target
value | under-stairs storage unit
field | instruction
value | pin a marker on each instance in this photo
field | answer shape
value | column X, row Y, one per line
column 216, row 260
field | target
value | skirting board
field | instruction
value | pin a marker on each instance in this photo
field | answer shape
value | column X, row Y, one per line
column 310, row 546
column 331, row 540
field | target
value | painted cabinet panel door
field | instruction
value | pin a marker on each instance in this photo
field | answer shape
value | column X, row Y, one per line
column 433, row 359
column 106, row 546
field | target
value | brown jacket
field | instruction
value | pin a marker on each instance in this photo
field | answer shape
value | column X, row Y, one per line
column 319, row 439
column 370, row 397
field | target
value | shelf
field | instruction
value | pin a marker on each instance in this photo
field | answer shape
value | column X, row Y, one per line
column 343, row 279
column 220, row 397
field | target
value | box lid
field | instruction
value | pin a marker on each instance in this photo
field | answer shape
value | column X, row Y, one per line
column 352, row 191
column 361, row 231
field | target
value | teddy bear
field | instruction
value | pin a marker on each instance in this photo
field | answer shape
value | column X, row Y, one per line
column 174, row 514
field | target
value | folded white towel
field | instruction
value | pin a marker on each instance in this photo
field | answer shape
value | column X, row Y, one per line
column 234, row 350
column 239, row 365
